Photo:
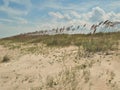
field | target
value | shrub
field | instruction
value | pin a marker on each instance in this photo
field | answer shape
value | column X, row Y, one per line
column 6, row 58
column 91, row 43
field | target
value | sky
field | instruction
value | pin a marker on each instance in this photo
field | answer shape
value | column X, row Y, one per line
column 21, row 16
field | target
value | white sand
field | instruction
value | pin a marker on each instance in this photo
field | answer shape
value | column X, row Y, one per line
column 29, row 71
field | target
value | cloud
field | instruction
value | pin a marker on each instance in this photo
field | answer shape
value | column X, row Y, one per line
column 6, row 20
column 66, row 5
column 56, row 15
column 15, row 20
column 97, row 14
column 113, row 16
column 59, row 15
column 26, row 3
column 65, row 15
column 15, row 15
column 14, row 11
column 20, row 20
column 75, row 14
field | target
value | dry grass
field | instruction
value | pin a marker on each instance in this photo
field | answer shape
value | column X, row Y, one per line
column 91, row 43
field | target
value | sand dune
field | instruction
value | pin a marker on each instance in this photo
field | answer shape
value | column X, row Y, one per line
column 99, row 71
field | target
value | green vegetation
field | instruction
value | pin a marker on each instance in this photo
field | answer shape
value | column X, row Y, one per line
column 6, row 58
column 91, row 43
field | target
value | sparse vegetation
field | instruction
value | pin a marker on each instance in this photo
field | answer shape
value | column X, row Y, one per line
column 6, row 58
column 69, row 79
column 91, row 43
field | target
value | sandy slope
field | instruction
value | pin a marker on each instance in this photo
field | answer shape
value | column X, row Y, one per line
column 29, row 71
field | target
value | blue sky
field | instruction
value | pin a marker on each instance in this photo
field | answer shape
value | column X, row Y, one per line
column 20, row 16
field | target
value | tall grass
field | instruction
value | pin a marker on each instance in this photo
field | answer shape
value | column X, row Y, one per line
column 91, row 43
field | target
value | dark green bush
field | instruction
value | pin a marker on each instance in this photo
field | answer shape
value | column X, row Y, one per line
column 6, row 58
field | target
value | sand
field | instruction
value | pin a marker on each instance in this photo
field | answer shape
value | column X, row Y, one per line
column 30, row 71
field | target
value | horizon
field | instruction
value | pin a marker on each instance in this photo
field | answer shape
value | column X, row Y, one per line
column 22, row 16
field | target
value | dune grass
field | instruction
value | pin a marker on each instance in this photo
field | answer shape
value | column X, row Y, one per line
column 91, row 43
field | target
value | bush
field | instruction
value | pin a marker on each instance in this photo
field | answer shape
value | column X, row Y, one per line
column 6, row 58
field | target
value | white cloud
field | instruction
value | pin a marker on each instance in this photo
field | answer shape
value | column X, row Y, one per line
column 58, row 4
column 20, row 20
column 75, row 14
column 56, row 15
column 26, row 3
column 6, row 20
column 12, row 11
column 67, row 16
column 97, row 15
column 16, row 20
column 14, row 14
column 113, row 16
